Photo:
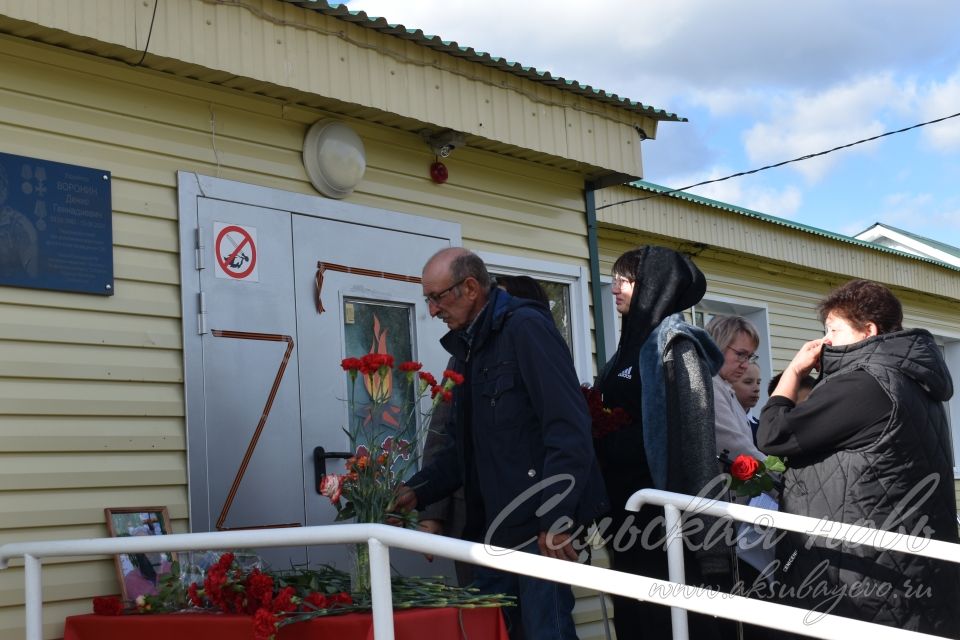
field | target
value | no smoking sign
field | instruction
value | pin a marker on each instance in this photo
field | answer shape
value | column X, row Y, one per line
column 235, row 250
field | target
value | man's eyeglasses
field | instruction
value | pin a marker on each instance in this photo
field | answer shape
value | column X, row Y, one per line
column 744, row 356
column 619, row 281
column 435, row 298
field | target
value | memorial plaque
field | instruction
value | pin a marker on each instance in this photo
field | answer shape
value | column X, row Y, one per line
column 56, row 226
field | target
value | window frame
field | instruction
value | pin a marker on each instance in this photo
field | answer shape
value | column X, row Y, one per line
column 576, row 278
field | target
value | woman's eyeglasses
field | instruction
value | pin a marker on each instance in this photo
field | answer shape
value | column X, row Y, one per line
column 744, row 357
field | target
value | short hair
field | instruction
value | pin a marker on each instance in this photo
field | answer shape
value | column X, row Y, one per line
column 862, row 301
column 524, row 287
column 806, row 382
column 628, row 264
column 724, row 330
column 469, row 265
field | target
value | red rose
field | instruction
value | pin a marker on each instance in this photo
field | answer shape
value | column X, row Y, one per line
column 409, row 366
column 107, row 606
column 744, row 467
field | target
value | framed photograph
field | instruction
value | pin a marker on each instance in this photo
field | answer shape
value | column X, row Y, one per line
column 140, row 573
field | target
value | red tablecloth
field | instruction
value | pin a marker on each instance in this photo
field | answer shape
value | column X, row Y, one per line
column 413, row 624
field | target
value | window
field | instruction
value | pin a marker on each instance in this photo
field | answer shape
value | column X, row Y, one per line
column 566, row 289
column 701, row 313
column 951, row 354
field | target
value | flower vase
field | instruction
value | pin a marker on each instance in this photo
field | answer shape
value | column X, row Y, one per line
column 360, row 569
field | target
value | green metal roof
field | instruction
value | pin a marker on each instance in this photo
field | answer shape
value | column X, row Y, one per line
column 839, row 237
column 343, row 12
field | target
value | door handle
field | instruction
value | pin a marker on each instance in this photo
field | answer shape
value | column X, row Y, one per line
column 320, row 456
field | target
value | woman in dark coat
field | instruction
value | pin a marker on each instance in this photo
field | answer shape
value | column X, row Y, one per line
column 870, row 446
column 661, row 376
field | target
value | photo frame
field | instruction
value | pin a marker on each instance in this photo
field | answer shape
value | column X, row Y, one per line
column 140, row 573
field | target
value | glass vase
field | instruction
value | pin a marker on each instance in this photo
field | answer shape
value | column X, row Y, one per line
column 360, row 569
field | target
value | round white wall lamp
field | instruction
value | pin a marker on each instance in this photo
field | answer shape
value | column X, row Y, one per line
column 334, row 158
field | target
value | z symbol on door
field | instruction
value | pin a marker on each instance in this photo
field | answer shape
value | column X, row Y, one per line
column 236, row 251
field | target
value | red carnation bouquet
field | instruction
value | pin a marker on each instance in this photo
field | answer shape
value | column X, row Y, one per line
column 604, row 420
column 394, row 402
column 750, row 476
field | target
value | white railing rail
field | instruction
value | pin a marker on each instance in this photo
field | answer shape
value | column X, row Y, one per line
column 381, row 537
column 674, row 503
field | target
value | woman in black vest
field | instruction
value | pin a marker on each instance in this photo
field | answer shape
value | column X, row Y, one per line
column 870, row 446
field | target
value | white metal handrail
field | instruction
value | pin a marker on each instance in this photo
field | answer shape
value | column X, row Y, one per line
column 380, row 537
column 674, row 503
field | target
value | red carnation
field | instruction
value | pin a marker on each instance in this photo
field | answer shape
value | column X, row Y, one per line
column 453, row 376
column 284, row 600
column 448, row 396
column 428, row 378
column 193, row 593
column 264, row 625
column 350, row 364
column 107, row 606
column 409, row 366
column 318, row 600
column 744, row 467
column 259, row 590
column 341, row 598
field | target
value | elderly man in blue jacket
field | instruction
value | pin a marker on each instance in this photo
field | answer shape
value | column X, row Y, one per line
column 519, row 442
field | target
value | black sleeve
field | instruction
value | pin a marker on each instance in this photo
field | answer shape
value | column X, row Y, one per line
column 845, row 412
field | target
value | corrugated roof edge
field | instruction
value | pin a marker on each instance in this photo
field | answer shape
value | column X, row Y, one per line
column 343, row 12
column 643, row 185
column 936, row 244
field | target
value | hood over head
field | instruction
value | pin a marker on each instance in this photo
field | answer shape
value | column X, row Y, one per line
column 665, row 282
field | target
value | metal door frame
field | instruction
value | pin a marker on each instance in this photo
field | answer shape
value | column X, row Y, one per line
column 190, row 188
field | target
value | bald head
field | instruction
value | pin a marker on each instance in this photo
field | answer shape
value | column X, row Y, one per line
column 455, row 284
column 460, row 264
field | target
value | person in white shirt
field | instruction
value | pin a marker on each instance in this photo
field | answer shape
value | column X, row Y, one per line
column 738, row 340
column 747, row 389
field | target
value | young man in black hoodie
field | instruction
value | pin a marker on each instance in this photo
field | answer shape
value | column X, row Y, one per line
column 661, row 375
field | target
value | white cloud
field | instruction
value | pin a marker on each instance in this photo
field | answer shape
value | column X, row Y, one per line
column 782, row 202
column 943, row 99
column 803, row 124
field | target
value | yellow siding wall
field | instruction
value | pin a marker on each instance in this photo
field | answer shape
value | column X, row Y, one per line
column 266, row 41
column 91, row 388
column 806, row 252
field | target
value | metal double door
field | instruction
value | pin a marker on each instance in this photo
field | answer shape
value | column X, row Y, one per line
column 283, row 297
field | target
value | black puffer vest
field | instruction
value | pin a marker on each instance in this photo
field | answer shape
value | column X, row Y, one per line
column 903, row 482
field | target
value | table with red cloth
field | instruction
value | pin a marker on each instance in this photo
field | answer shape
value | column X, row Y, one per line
column 410, row 624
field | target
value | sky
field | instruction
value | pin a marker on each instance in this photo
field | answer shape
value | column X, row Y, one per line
column 760, row 81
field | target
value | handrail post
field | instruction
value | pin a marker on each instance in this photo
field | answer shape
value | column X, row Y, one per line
column 381, row 594
column 33, row 597
column 675, row 568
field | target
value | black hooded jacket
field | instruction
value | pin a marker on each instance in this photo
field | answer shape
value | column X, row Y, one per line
column 670, row 365
column 897, row 477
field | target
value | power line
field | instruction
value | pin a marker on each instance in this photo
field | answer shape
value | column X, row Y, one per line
column 779, row 164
